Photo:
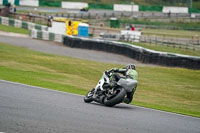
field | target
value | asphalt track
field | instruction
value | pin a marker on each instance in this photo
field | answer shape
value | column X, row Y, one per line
column 27, row 109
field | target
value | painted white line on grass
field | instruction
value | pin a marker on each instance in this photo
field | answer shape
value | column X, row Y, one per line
column 11, row 82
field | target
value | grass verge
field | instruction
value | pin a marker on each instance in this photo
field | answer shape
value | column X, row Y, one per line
column 13, row 29
column 180, row 25
column 172, row 33
column 170, row 89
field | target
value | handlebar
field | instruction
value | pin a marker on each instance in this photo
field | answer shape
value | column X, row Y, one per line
column 108, row 72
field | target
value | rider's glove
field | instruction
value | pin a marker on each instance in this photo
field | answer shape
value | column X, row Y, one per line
column 107, row 72
column 115, row 70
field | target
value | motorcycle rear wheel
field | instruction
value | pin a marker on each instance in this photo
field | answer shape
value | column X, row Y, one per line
column 88, row 98
column 116, row 99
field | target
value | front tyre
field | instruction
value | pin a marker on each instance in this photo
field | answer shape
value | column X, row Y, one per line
column 88, row 98
column 118, row 98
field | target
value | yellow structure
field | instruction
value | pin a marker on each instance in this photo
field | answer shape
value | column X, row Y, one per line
column 71, row 26
column 59, row 19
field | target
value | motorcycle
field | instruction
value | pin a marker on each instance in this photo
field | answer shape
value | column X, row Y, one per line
column 110, row 95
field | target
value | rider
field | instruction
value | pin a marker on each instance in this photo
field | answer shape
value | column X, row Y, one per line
column 128, row 72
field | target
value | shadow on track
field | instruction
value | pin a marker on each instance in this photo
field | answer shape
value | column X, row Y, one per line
column 118, row 106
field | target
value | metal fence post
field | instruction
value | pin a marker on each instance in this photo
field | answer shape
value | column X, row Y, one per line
column 122, row 15
column 104, row 15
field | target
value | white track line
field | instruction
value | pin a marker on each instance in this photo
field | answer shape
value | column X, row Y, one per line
column 11, row 82
column 11, row 34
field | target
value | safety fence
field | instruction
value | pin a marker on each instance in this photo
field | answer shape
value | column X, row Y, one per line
column 192, row 44
column 181, row 43
column 34, row 18
column 21, row 24
column 148, row 16
column 63, row 4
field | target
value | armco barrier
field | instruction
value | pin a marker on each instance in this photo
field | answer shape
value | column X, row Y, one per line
column 21, row 24
column 135, row 52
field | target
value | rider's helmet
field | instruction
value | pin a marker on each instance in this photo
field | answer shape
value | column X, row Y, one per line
column 130, row 66
column 131, row 72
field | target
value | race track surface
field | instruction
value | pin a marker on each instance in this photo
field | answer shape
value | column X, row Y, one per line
column 59, row 49
column 26, row 109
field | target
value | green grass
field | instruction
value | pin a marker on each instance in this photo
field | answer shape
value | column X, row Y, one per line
column 196, row 4
column 165, row 48
column 13, row 29
column 170, row 89
column 180, row 25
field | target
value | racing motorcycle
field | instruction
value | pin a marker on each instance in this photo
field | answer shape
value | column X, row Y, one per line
column 110, row 95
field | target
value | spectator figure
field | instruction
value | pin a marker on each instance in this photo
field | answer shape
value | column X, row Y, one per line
column 50, row 19
column 13, row 9
column 131, row 27
column 169, row 14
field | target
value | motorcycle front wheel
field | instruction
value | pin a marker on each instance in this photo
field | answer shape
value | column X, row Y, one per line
column 116, row 99
column 88, row 98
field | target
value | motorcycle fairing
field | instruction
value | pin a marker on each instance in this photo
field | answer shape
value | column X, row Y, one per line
column 127, row 84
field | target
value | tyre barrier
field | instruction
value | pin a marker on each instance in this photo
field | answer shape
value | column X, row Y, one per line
column 135, row 52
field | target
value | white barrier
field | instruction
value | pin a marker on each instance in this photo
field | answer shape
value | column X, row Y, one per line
column 58, row 28
column 131, row 35
column 74, row 5
column 18, row 23
column 129, row 8
column 45, row 35
column 5, row 21
column 169, row 9
column 29, row 3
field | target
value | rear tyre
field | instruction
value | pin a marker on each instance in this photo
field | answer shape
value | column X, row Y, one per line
column 88, row 98
column 116, row 99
